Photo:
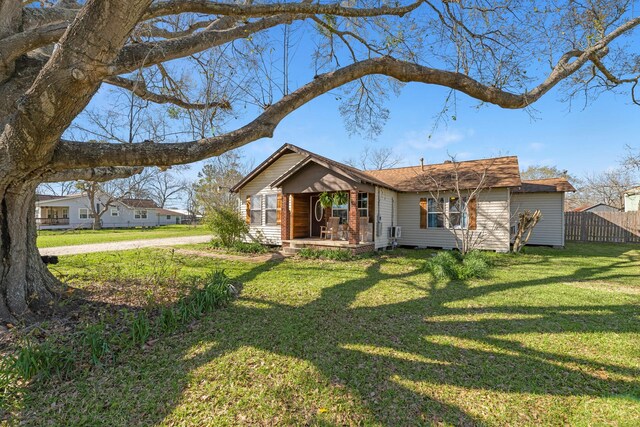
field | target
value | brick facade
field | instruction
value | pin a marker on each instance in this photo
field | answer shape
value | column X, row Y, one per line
column 285, row 215
column 354, row 220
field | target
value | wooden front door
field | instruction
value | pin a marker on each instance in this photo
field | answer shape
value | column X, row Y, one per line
column 317, row 216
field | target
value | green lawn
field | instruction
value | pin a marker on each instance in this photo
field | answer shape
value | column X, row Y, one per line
column 552, row 338
column 51, row 238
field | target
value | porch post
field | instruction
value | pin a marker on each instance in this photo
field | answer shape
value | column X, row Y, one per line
column 285, row 215
column 354, row 221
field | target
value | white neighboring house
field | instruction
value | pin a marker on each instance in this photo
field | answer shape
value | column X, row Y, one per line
column 632, row 200
column 53, row 212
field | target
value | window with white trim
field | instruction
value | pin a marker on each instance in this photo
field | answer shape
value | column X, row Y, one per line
column 435, row 213
column 140, row 214
column 168, row 216
column 115, row 212
column 271, row 209
column 83, row 213
column 363, row 205
column 256, row 210
column 457, row 212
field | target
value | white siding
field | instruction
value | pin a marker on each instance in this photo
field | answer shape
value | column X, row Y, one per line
column 492, row 222
column 550, row 229
column 631, row 202
column 269, row 234
column 125, row 218
column 387, row 211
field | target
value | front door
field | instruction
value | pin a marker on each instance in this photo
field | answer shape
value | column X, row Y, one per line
column 317, row 216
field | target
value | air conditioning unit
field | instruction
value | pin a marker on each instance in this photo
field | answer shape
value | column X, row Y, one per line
column 395, row 232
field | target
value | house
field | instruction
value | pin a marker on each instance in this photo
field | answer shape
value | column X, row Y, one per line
column 597, row 207
column 632, row 200
column 409, row 206
column 73, row 211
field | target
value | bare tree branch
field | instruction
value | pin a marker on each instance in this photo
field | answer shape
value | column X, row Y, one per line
column 91, row 174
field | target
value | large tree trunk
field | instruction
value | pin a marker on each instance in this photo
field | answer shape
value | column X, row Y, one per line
column 26, row 285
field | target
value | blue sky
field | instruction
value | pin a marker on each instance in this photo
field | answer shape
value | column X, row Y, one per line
column 581, row 140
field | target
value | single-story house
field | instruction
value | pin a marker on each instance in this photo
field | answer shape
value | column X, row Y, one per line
column 73, row 211
column 632, row 200
column 596, row 207
column 408, row 206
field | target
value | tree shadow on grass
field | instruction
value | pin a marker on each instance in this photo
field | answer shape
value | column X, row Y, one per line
column 400, row 361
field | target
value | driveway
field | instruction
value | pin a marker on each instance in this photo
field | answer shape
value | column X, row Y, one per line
column 123, row 246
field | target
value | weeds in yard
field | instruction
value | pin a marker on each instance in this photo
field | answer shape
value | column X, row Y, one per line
column 94, row 338
column 43, row 360
column 330, row 254
column 140, row 328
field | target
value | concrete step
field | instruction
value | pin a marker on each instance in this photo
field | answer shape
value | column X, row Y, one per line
column 290, row 251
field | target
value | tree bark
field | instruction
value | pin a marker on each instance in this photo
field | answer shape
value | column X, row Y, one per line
column 26, row 285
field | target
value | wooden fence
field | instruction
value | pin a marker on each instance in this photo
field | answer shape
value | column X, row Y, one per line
column 610, row 227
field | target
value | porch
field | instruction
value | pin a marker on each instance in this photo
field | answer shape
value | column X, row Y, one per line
column 305, row 222
column 52, row 215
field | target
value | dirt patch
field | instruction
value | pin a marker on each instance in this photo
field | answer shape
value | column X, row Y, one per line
column 272, row 256
column 606, row 287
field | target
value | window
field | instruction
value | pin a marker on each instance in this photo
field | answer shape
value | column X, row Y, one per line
column 341, row 211
column 140, row 214
column 363, row 205
column 271, row 209
column 114, row 212
column 83, row 213
column 256, row 210
column 65, row 213
column 168, row 216
column 435, row 212
column 457, row 212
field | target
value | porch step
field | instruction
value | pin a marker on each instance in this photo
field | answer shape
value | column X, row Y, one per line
column 290, row 251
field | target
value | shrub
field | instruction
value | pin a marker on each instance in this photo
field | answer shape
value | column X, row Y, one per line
column 227, row 225
column 454, row 266
column 249, row 248
column 332, row 254
column 474, row 265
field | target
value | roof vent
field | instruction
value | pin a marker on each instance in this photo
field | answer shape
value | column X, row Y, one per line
column 448, row 161
column 422, row 163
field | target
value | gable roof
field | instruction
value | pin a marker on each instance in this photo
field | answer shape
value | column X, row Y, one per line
column 163, row 211
column 490, row 173
column 546, row 185
column 139, row 203
column 591, row 206
column 43, row 197
column 346, row 170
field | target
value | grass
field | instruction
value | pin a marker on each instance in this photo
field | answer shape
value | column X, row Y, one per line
column 53, row 238
column 550, row 338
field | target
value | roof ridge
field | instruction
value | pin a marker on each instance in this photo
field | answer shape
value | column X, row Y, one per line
column 442, row 163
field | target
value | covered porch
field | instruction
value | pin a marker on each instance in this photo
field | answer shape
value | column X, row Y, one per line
column 52, row 215
column 305, row 222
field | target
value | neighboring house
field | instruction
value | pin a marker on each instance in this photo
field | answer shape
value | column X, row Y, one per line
column 410, row 206
column 632, row 200
column 598, row 207
column 73, row 211
column 187, row 217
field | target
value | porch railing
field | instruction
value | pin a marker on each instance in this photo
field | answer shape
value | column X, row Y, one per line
column 52, row 221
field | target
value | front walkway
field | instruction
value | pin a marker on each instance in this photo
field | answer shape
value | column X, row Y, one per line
column 123, row 246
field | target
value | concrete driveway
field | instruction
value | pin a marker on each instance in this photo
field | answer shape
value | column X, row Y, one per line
column 123, row 246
